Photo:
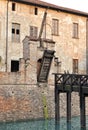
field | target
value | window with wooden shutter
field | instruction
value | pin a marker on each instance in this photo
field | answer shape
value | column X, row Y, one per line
column 33, row 32
column 55, row 26
column 75, row 30
column 15, row 32
column 75, row 65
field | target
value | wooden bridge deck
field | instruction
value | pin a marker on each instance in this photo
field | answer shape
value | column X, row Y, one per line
column 67, row 83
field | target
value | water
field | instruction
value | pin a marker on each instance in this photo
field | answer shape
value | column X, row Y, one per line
column 44, row 125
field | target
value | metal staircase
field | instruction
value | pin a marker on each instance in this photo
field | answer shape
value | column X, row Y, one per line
column 45, row 65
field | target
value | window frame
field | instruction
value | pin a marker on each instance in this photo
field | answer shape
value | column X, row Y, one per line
column 75, row 30
column 75, row 65
column 55, row 27
column 16, row 32
column 33, row 32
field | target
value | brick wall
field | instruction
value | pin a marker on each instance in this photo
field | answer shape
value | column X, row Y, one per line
column 22, row 102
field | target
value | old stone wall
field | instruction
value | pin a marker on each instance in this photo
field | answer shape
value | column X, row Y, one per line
column 22, row 99
column 22, row 102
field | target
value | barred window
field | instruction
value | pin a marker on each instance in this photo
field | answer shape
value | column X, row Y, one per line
column 75, row 30
column 33, row 32
column 75, row 65
column 55, row 26
column 15, row 32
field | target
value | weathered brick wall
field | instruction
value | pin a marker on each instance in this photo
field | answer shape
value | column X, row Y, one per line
column 22, row 102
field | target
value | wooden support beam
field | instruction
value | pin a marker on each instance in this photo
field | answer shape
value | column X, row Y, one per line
column 68, row 106
column 57, row 106
column 42, row 25
column 82, row 111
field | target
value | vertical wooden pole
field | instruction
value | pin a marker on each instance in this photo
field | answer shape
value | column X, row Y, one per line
column 57, row 107
column 68, row 106
column 82, row 111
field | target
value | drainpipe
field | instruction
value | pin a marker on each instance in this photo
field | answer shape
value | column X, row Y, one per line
column 6, row 60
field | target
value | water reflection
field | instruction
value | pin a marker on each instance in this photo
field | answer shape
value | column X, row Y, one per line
column 69, row 126
column 44, row 125
column 57, row 126
column 46, row 122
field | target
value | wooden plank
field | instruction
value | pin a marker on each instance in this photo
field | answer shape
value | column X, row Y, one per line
column 42, row 25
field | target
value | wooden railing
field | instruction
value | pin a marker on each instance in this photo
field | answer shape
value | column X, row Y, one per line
column 71, row 79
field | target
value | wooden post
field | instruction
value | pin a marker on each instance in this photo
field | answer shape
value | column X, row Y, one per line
column 82, row 111
column 68, row 106
column 57, row 102
column 57, row 107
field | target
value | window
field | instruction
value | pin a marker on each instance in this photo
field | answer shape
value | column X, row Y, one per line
column 33, row 32
column 14, row 65
column 36, row 11
column 55, row 26
column 15, row 32
column 75, row 30
column 75, row 65
column 13, row 6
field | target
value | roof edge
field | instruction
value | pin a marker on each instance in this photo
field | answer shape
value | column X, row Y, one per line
column 51, row 6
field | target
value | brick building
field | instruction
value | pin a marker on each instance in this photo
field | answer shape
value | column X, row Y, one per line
column 38, row 39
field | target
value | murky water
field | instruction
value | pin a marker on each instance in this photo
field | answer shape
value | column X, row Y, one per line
column 44, row 125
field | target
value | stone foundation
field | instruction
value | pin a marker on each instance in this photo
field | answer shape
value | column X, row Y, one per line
column 23, row 102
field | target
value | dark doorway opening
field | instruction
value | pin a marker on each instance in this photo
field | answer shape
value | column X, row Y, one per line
column 14, row 65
